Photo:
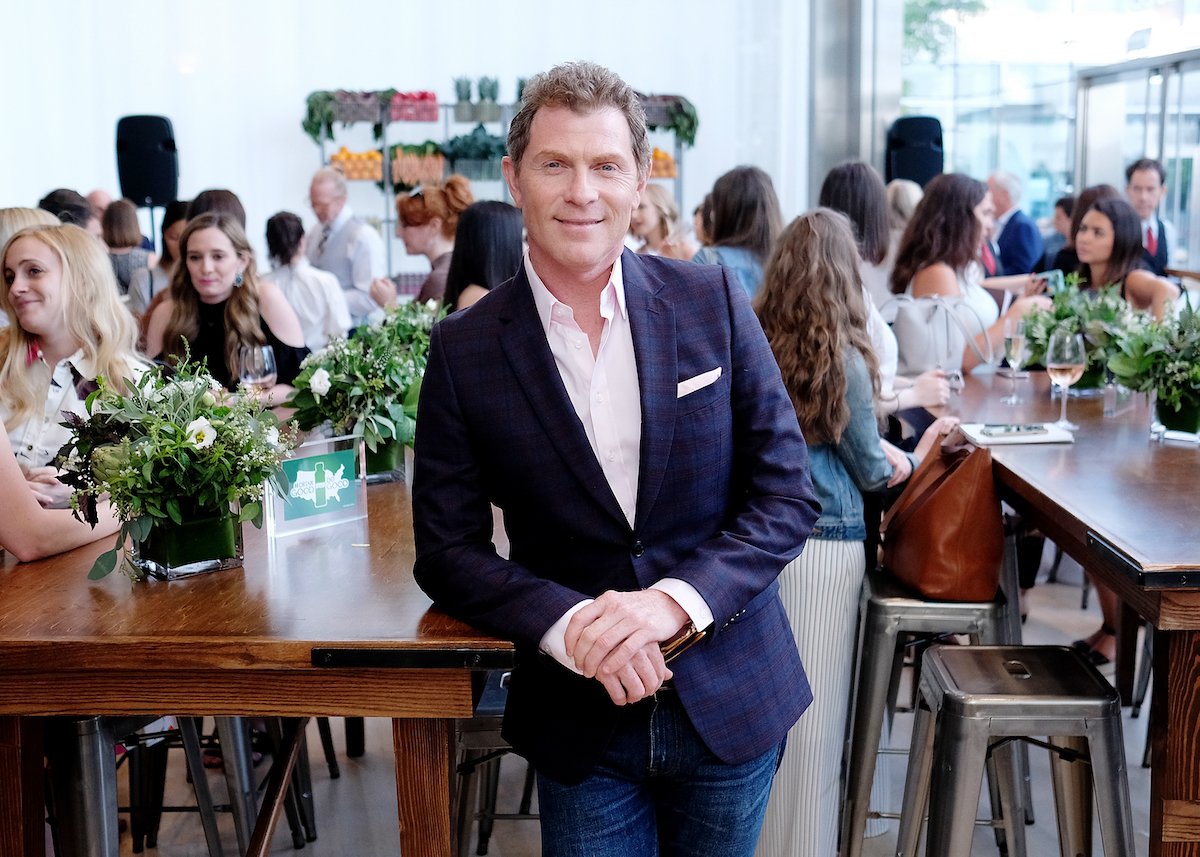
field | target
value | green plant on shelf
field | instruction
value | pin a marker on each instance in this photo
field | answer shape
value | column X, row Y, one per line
column 489, row 89
column 462, row 88
column 683, row 120
column 478, row 145
column 318, row 121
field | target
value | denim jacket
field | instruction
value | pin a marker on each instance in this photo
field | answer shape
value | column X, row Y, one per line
column 842, row 471
column 737, row 259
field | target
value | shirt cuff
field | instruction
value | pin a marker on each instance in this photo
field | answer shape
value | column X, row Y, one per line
column 689, row 599
column 554, row 641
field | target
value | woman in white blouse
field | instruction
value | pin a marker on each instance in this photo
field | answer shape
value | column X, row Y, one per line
column 315, row 295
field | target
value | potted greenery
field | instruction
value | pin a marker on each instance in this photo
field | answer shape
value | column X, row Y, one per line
column 369, row 385
column 319, row 118
column 1163, row 357
column 476, row 155
column 183, row 463
column 672, row 113
column 464, row 110
column 489, row 98
column 1101, row 316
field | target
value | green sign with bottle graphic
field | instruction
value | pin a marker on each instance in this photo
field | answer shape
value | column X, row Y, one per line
column 320, row 484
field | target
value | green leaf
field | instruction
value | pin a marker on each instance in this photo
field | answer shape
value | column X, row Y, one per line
column 173, row 510
column 104, row 565
column 139, row 528
column 251, row 512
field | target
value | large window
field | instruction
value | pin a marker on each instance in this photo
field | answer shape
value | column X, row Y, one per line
column 1001, row 76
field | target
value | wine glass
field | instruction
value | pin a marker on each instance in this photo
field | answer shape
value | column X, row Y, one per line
column 1016, row 354
column 257, row 367
column 1065, row 362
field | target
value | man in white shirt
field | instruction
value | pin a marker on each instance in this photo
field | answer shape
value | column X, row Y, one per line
column 1145, row 186
column 344, row 245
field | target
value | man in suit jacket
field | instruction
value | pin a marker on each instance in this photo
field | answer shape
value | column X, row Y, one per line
column 1017, row 236
column 626, row 415
column 1145, row 187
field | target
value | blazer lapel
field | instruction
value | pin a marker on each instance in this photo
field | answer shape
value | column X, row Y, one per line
column 524, row 342
column 652, row 322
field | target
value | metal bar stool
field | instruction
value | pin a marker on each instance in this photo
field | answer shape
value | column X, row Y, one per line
column 973, row 695
column 890, row 610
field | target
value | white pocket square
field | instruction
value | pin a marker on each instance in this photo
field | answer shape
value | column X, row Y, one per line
column 699, row 382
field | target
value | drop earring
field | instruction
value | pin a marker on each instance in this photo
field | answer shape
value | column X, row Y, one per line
column 237, row 280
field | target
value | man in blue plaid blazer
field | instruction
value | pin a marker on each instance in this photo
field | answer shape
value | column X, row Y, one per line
column 626, row 415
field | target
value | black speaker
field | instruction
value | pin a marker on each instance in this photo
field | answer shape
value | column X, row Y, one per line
column 147, row 161
column 914, row 149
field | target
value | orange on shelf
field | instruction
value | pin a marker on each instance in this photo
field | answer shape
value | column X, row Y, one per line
column 358, row 166
column 662, row 165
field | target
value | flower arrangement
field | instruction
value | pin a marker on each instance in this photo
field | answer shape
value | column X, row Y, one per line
column 176, row 446
column 1102, row 317
column 1164, row 357
column 369, row 385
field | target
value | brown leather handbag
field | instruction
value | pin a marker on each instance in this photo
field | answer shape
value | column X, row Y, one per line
column 944, row 536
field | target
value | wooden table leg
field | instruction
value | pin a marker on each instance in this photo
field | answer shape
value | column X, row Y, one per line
column 423, row 783
column 22, row 786
column 1175, row 769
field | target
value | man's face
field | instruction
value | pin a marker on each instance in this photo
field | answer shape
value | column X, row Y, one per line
column 326, row 201
column 1000, row 196
column 1145, row 191
column 577, row 185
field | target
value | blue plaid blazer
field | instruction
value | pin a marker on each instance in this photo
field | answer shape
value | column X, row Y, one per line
column 724, row 502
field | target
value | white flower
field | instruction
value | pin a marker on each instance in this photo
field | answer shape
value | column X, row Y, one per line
column 319, row 383
column 200, row 433
column 431, row 304
column 272, row 437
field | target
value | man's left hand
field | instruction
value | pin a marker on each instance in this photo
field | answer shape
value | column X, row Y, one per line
column 607, row 637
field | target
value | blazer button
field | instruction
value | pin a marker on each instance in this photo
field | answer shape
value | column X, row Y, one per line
column 638, row 549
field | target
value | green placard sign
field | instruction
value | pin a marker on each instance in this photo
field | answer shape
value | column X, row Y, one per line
column 320, row 484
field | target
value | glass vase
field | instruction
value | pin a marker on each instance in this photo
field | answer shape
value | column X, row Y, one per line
column 384, row 462
column 1185, row 418
column 197, row 545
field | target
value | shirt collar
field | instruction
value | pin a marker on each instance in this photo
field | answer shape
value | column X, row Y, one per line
column 343, row 216
column 1003, row 219
column 612, row 298
column 1150, row 222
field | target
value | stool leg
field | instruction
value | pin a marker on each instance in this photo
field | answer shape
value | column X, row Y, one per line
column 916, row 782
column 234, row 734
column 356, row 741
column 958, row 763
column 870, row 699
column 467, row 785
column 1144, row 669
column 190, row 735
column 490, row 784
column 327, row 747
column 1005, row 772
column 1072, row 783
column 1111, row 782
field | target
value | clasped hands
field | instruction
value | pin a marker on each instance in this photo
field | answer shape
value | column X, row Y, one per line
column 615, row 640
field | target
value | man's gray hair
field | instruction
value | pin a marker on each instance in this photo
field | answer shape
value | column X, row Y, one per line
column 1010, row 183
column 583, row 87
column 329, row 175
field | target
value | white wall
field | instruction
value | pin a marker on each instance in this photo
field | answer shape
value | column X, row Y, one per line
column 232, row 75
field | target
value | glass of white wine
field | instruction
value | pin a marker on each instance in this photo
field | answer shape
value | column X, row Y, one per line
column 257, row 367
column 1065, row 362
column 1016, row 355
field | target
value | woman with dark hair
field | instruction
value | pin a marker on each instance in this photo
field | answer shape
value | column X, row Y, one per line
column 123, row 235
column 426, row 222
column 217, row 200
column 857, row 191
column 939, row 256
column 1109, row 246
column 746, row 220
column 146, row 284
column 215, row 306
column 487, row 251
column 1066, row 259
column 315, row 295
column 814, row 315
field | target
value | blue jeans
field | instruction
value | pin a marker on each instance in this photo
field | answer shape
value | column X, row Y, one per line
column 658, row 790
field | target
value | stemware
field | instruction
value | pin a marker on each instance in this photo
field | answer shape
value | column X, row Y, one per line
column 1016, row 354
column 257, row 367
column 1065, row 362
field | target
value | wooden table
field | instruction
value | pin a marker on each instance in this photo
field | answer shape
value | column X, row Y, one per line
column 326, row 623
column 1128, row 510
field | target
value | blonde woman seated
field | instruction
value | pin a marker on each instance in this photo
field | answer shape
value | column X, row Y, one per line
column 13, row 220
column 656, row 222
column 66, row 327
column 814, row 314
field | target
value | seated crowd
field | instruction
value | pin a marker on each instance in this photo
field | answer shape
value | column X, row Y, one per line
column 83, row 297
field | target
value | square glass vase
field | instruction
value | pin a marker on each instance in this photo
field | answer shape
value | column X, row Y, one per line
column 172, row 551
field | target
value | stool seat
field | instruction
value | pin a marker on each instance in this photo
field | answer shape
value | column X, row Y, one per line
column 969, row 696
